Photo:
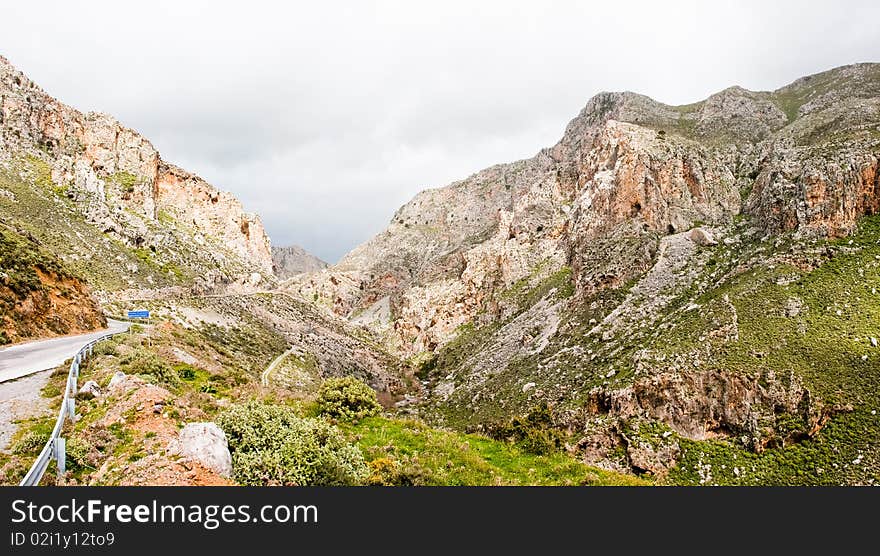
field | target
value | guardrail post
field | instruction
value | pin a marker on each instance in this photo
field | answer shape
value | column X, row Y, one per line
column 71, row 408
column 60, row 456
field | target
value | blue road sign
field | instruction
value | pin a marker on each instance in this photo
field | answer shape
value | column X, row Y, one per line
column 138, row 314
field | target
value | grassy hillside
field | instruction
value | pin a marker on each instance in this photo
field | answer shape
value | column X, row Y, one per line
column 794, row 319
column 118, row 436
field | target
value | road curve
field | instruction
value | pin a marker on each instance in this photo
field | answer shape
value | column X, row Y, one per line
column 32, row 357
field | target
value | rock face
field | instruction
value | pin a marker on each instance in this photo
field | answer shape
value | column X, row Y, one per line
column 293, row 259
column 627, row 168
column 119, row 183
column 90, row 390
column 613, row 274
column 206, row 444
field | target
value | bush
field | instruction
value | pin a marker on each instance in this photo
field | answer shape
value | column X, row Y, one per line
column 271, row 445
column 30, row 443
column 534, row 433
column 107, row 347
column 78, row 454
column 149, row 367
column 347, row 398
column 389, row 472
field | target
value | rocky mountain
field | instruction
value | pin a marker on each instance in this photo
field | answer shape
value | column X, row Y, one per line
column 94, row 220
column 293, row 259
column 98, row 195
column 686, row 293
column 670, row 279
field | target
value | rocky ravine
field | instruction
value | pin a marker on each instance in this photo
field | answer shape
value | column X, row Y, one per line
column 586, row 276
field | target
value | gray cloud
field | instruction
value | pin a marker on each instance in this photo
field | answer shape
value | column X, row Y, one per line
column 324, row 119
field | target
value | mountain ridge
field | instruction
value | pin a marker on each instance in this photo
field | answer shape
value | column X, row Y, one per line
column 116, row 180
column 291, row 260
column 607, row 274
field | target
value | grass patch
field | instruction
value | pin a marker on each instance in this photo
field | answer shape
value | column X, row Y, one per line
column 429, row 456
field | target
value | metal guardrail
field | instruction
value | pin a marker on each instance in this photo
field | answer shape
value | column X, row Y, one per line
column 55, row 447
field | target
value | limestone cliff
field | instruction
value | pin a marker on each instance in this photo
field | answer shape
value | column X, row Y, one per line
column 686, row 287
column 119, row 183
column 801, row 158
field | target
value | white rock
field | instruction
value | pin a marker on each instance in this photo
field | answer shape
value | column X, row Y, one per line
column 90, row 389
column 204, row 443
column 528, row 386
column 702, row 236
column 873, row 341
column 118, row 377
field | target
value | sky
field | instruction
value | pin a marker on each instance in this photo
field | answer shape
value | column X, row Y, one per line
column 325, row 117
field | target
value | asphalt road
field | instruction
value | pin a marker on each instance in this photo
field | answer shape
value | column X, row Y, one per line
column 32, row 357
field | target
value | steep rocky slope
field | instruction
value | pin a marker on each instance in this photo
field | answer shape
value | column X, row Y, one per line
column 87, row 200
column 38, row 296
column 99, row 196
column 293, row 259
column 667, row 278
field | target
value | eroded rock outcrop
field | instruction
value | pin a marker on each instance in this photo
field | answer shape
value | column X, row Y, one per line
column 120, row 183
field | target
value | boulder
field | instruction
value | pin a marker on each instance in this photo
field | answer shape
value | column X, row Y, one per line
column 117, row 377
column 204, row 443
column 702, row 236
column 90, row 390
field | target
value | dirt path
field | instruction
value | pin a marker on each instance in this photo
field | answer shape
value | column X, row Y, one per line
column 21, row 399
column 264, row 378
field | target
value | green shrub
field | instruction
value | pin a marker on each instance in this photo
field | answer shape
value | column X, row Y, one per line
column 347, row 398
column 149, row 367
column 106, row 348
column 534, row 433
column 77, row 454
column 271, row 445
column 30, row 443
column 186, row 372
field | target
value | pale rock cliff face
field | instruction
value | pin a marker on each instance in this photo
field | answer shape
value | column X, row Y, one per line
column 614, row 276
column 626, row 170
column 119, row 181
column 214, row 213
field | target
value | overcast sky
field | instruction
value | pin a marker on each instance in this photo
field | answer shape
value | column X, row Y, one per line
column 324, row 117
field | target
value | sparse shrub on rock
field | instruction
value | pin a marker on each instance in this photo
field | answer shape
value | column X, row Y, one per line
column 347, row 398
column 271, row 445
column 149, row 367
column 30, row 443
column 78, row 453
